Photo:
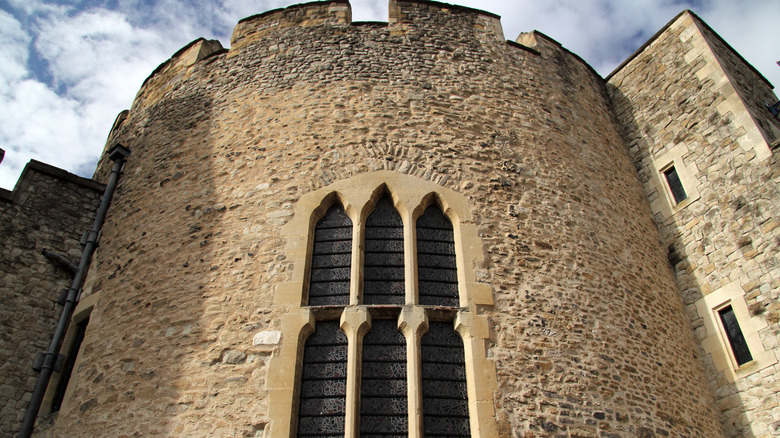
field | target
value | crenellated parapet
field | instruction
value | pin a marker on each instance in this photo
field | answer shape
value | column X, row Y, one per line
column 250, row 29
column 265, row 30
column 176, row 68
column 406, row 15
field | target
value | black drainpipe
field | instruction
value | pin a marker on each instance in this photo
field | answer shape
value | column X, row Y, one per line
column 118, row 154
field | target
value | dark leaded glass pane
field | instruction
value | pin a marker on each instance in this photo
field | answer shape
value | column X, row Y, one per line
column 445, row 398
column 675, row 185
column 436, row 268
column 323, row 382
column 331, row 259
column 734, row 334
column 384, row 256
column 383, row 403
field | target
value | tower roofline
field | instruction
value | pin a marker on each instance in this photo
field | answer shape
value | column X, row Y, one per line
column 663, row 29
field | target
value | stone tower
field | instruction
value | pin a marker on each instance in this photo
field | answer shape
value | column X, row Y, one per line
column 337, row 228
column 688, row 103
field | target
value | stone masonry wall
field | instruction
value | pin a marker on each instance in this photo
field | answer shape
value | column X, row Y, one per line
column 48, row 210
column 589, row 337
column 670, row 100
column 754, row 90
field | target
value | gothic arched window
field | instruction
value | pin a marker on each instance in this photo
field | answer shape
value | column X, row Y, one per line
column 331, row 259
column 383, row 274
column 437, row 271
column 381, row 361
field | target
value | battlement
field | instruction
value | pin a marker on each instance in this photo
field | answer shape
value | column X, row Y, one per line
column 250, row 29
column 407, row 16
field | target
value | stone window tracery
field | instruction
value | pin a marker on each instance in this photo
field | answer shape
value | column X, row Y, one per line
column 413, row 341
column 383, row 385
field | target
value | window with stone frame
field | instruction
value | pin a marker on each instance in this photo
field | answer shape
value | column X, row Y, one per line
column 733, row 332
column 675, row 184
column 426, row 310
column 411, row 354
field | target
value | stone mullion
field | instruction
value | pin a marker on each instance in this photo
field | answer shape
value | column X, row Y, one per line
column 410, row 259
column 480, row 373
column 356, row 270
column 413, row 323
column 355, row 323
column 284, row 373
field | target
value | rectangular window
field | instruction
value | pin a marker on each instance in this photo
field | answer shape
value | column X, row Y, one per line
column 673, row 180
column 734, row 334
column 70, row 362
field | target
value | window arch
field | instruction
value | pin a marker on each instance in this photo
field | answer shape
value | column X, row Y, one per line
column 411, row 284
column 436, row 265
column 383, row 265
column 331, row 259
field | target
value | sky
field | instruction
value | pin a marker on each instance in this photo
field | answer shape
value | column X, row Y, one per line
column 67, row 68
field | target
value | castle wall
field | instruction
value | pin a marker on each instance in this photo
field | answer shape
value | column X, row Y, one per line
column 48, row 210
column 587, row 334
column 678, row 105
column 754, row 91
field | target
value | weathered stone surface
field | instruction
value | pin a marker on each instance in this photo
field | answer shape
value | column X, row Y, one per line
column 688, row 91
column 587, row 317
column 271, row 337
column 591, row 333
column 48, row 210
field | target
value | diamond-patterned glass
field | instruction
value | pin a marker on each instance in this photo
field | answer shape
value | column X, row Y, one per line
column 331, row 259
column 383, row 273
column 323, row 382
column 436, row 268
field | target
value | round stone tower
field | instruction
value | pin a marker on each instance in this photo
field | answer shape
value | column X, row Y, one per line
column 565, row 313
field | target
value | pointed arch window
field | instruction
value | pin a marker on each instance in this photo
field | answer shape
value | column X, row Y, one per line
column 331, row 259
column 384, row 256
column 436, row 268
column 430, row 356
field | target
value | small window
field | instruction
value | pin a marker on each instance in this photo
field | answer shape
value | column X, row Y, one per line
column 734, row 334
column 673, row 180
column 383, row 274
column 436, row 267
column 70, row 362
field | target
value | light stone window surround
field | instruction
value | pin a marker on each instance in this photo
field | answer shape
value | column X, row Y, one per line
column 715, row 341
column 82, row 311
column 358, row 195
column 687, row 171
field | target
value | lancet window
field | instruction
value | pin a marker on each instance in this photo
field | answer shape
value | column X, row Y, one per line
column 423, row 365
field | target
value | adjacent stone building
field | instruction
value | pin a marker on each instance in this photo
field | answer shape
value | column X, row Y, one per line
column 47, row 212
column 417, row 228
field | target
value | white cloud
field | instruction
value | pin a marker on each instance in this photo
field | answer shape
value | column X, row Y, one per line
column 98, row 53
column 98, row 58
column 13, row 57
column 98, row 61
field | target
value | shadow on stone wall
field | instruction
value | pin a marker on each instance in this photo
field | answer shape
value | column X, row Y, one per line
column 680, row 266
